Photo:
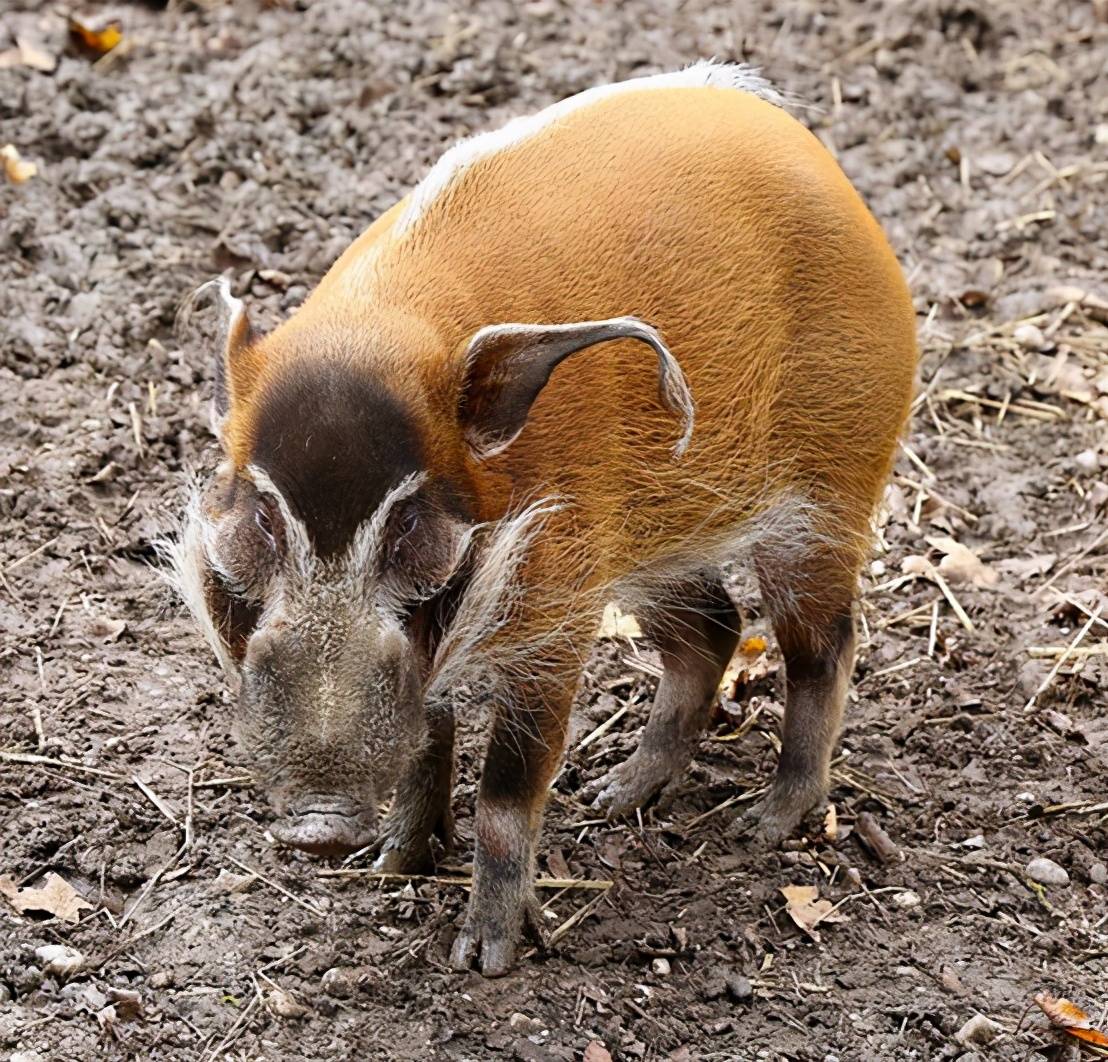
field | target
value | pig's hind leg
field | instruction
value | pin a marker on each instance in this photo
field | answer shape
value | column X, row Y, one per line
column 811, row 603
column 420, row 806
column 695, row 633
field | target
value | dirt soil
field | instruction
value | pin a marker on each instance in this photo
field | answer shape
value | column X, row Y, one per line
column 257, row 139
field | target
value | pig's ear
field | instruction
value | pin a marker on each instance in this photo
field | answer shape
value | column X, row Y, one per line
column 507, row 365
column 238, row 336
column 234, row 337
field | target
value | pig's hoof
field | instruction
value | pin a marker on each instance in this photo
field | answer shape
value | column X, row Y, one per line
column 412, row 858
column 769, row 822
column 493, row 952
column 492, row 948
column 633, row 783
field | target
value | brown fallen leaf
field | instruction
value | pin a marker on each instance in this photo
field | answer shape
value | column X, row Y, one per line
column 126, row 1002
column 97, row 41
column 56, row 897
column 973, row 299
column 807, row 910
column 16, row 168
column 596, row 1052
column 961, row 565
column 1069, row 1016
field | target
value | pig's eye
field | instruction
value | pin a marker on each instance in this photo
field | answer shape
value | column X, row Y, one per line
column 265, row 525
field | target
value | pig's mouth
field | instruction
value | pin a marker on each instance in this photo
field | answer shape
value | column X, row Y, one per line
column 327, row 826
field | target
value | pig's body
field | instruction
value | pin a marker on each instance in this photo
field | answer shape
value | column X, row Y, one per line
column 718, row 219
column 714, row 216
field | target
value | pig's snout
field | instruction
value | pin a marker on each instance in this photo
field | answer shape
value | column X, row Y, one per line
column 326, row 825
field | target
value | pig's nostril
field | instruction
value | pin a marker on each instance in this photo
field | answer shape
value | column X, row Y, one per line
column 326, row 825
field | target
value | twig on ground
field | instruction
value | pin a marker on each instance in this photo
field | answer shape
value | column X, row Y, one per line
column 280, row 888
column 1043, row 686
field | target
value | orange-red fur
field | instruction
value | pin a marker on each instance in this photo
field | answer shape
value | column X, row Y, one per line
column 711, row 214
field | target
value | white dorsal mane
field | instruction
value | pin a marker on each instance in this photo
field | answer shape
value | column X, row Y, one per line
column 705, row 74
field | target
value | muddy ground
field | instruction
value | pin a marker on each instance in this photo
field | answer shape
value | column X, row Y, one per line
column 257, row 139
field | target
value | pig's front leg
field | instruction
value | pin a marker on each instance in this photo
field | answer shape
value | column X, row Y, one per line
column 421, row 805
column 524, row 749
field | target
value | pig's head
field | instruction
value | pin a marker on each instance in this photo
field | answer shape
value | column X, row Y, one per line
column 337, row 543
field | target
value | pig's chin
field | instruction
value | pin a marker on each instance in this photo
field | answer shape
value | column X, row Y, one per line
column 327, row 826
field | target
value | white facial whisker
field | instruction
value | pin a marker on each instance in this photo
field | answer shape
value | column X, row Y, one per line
column 185, row 558
column 296, row 534
column 369, row 538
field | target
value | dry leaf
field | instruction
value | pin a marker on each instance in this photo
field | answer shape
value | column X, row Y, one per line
column 56, row 897
column 1024, row 568
column 1087, row 300
column 17, row 169
column 1072, row 1018
column 27, row 53
column 99, row 41
column 748, row 665
column 961, row 565
column 973, row 299
column 596, row 1052
column 107, row 630
column 617, row 624
column 127, row 1002
column 807, row 910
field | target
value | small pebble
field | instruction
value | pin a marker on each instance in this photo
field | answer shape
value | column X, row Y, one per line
column 907, row 899
column 59, row 960
column 661, row 967
column 284, row 1005
column 1047, row 872
column 1087, row 461
column 1030, row 337
column 1098, row 874
column 1026, row 798
column 978, row 1030
column 739, row 988
column 338, row 983
column 227, row 882
column 527, row 1026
